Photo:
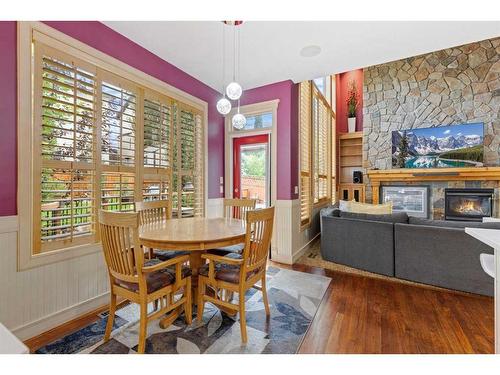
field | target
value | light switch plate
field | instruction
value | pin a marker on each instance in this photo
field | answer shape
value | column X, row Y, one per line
column 221, row 189
column 296, row 189
column 221, row 179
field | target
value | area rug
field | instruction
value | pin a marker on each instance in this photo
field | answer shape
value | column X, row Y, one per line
column 294, row 298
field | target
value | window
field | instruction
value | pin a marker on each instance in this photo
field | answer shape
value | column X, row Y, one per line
column 320, row 84
column 305, row 138
column 100, row 141
column 321, row 124
column 188, row 172
column 259, row 121
column 317, row 157
column 64, row 169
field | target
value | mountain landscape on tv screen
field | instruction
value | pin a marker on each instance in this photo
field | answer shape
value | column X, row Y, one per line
column 438, row 147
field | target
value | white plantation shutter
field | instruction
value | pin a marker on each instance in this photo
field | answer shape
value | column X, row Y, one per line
column 321, row 123
column 118, row 125
column 64, row 180
column 118, row 144
column 188, row 197
column 158, row 124
column 305, row 151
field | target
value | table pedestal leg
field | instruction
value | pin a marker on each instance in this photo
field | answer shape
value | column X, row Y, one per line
column 195, row 262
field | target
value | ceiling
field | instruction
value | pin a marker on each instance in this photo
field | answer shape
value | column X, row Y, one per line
column 270, row 51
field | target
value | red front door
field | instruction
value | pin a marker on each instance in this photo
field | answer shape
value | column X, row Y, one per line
column 251, row 168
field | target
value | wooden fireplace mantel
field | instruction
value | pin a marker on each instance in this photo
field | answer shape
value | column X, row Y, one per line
column 377, row 176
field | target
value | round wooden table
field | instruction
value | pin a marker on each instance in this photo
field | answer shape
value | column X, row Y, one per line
column 194, row 234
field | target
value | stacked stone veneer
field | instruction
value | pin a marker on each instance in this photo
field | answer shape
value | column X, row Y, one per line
column 453, row 86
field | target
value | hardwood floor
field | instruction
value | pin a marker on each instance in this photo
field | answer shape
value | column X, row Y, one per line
column 359, row 314
column 367, row 315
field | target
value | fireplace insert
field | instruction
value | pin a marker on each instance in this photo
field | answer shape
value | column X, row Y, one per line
column 468, row 204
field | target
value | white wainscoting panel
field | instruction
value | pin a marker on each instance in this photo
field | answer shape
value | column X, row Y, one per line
column 289, row 242
column 41, row 298
column 215, row 207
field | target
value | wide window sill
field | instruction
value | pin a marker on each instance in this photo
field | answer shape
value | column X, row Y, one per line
column 27, row 260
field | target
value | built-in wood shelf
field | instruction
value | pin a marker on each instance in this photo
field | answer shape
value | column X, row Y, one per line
column 350, row 156
column 377, row 176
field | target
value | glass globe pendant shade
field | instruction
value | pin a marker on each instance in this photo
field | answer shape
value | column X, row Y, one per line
column 234, row 90
column 239, row 121
column 224, row 106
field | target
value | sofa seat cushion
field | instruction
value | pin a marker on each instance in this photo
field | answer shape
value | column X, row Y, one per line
column 158, row 279
column 396, row 217
column 453, row 224
column 227, row 272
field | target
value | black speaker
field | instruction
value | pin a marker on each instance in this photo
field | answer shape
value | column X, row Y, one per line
column 357, row 177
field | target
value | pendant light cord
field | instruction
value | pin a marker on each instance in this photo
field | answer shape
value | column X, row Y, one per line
column 223, row 59
column 234, row 54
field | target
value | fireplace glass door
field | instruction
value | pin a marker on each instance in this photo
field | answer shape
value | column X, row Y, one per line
column 468, row 204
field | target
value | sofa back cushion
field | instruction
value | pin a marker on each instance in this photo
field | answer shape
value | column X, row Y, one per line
column 453, row 224
column 396, row 217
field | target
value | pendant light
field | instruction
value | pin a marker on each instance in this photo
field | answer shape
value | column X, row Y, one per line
column 223, row 105
column 239, row 120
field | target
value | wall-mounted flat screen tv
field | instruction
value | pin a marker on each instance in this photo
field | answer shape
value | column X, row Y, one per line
column 448, row 146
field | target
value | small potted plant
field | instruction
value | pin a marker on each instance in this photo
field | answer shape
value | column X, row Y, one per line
column 352, row 105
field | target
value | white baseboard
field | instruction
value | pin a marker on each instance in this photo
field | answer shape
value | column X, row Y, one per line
column 304, row 248
column 48, row 322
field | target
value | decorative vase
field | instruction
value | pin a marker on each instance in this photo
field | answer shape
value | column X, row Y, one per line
column 351, row 124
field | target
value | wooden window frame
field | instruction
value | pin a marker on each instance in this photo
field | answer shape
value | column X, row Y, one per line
column 321, row 201
column 27, row 33
column 305, row 174
column 312, row 149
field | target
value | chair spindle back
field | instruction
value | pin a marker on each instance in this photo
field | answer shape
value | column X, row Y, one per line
column 154, row 211
column 238, row 208
column 258, row 238
column 120, row 243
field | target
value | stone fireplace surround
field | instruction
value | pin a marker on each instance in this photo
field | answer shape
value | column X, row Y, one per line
column 453, row 86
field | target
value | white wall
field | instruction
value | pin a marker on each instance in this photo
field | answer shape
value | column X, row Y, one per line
column 35, row 300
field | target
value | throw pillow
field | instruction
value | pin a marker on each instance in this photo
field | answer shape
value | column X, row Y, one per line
column 366, row 208
column 344, row 206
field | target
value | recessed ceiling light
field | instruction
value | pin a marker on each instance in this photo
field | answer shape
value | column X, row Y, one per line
column 310, row 51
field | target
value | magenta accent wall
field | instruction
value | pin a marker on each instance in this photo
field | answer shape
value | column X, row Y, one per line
column 116, row 45
column 287, row 126
column 342, row 86
column 8, row 113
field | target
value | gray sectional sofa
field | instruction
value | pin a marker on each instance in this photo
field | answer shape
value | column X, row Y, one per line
column 432, row 252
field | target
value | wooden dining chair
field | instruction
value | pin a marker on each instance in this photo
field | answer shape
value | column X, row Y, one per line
column 141, row 281
column 237, row 273
column 155, row 212
column 235, row 209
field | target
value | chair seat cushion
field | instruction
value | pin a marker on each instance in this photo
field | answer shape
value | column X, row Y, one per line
column 158, row 279
column 235, row 249
column 226, row 272
column 165, row 255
